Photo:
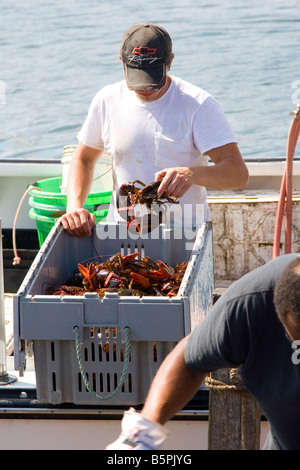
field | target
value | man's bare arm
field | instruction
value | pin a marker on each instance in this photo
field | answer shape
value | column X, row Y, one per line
column 228, row 172
column 78, row 221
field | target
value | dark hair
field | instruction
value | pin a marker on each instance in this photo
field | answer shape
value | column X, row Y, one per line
column 169, row 61
column 287, row 291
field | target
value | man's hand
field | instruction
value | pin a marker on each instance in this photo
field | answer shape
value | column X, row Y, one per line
column 78, row 223
column 176, row 181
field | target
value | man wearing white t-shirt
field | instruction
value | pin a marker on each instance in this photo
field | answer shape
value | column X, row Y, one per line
column 154, row 125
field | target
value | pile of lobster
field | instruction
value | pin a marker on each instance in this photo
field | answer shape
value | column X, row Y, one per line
column 126, row 275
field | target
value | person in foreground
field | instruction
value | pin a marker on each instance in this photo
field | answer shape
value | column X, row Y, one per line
column 153, row 125
column 255, row 324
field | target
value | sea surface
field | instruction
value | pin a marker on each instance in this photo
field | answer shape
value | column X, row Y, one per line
column 55, row 56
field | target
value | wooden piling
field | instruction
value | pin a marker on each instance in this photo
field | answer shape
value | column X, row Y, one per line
column 234, row 416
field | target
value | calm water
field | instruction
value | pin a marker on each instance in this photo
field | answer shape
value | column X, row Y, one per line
column 56, row 55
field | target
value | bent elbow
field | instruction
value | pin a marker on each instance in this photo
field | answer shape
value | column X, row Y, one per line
column 244, row 179
column 240, row 181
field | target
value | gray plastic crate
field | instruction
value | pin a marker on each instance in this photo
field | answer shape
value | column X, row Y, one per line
column 154, row 324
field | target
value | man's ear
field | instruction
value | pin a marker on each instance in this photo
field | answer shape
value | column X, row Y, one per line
column 122, row 62
column 170, row 62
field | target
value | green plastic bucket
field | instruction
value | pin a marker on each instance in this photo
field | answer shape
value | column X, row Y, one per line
column 43, row 224
column 49, row 204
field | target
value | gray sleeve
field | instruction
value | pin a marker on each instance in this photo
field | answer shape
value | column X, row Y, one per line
column 222, row 339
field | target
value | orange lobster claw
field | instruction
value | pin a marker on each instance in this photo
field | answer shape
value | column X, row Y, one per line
column 89, row 273
column 170, row 289
column 171, row 294
column 164, row 271
column 168, row 285
column 158, row 275
column 142, row 281
column 165, row 268
column 110, row 276
column 127, row 258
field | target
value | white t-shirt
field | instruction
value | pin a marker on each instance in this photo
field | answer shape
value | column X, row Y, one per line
column 144, row 138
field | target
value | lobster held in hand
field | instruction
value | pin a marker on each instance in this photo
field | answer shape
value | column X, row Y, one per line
column 145, row 195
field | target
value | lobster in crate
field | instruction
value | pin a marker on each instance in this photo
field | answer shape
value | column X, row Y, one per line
column 126, row 275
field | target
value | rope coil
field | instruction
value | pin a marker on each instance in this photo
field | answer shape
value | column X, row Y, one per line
column 76, row 331
column 237, row 383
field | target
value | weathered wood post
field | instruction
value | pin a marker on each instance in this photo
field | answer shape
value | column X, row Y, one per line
column 234, row 416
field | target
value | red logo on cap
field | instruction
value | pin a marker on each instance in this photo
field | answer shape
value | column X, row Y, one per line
column 144, row 51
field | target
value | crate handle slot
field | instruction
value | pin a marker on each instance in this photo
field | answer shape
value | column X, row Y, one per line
column 76, row 331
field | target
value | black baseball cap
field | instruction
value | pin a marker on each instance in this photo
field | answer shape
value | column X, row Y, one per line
column 145, row 50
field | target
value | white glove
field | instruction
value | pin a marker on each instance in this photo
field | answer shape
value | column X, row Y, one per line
column 139, row 433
